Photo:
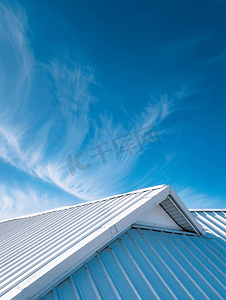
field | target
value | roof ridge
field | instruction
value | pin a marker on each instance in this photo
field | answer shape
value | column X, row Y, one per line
column 81, row 204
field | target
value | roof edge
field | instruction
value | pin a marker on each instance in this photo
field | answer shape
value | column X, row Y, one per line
column 82, row 203
column 188, row 215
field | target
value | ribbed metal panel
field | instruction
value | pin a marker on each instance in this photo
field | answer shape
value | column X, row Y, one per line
column 141, row 264
column 147, row 264
column 30, row 243
column 214, row 221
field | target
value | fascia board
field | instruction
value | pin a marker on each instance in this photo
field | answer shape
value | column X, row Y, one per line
column 194, row 223
column 58, row 268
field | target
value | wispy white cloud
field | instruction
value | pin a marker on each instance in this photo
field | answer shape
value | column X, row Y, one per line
column 73, row 80
column 196, row 199
column 210, row 61
column 16, row 149
column 89, row 184
column 16, row 201
column 212, row 2
column 16, row 121
column 16, row 55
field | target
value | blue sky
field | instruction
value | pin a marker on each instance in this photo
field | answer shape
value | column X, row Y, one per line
column 101, row 75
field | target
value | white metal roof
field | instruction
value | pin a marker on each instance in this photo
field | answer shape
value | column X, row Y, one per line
column 38, row 251
column 213, row 220
column 150, row 264
column 155, row 264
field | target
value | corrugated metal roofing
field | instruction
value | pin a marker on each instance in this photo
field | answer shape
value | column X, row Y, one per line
column 39, row 250
column 29, row 244
column 147, row 264
column 214, row 221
